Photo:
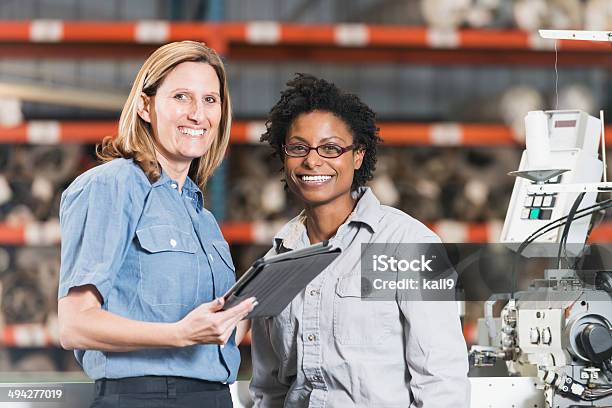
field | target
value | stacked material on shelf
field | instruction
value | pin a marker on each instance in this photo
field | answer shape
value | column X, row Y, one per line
column 514, row 104
column 598, row 15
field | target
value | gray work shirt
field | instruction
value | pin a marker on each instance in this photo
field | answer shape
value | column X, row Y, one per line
column 330, row 348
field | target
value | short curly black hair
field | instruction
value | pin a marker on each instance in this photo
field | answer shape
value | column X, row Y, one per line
column 306, row 93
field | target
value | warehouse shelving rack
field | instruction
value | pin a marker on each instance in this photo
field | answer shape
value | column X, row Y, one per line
column 289, row 42
column 272, row 40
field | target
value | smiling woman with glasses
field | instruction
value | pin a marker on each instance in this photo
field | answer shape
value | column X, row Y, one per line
column 328, row 347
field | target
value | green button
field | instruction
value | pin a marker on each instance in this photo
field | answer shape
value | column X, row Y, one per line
column 535, row 213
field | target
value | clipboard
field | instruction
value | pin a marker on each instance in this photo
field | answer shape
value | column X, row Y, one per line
column 276, row 280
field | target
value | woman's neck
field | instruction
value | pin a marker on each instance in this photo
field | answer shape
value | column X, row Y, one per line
column 177, row 171
column 323, row 221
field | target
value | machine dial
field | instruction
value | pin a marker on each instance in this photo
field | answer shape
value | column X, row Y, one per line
column 534, row 335
column 546, row 336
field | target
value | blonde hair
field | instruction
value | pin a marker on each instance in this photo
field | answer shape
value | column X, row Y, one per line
column 135, row 137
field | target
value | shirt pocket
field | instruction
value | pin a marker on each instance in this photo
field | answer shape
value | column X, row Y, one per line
column 359, row 322
column 223, row 250
column 222, row 267
column 169, row 270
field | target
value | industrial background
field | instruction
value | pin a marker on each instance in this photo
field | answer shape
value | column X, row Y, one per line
column 450, row 80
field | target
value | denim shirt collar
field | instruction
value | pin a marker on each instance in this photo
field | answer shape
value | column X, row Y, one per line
column 194, row 192
column 367, row 211
column 190, row 188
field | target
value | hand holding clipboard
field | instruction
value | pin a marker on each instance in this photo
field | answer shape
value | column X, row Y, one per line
column 276, row 280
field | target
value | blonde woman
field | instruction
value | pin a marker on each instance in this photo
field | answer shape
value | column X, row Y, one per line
column 144, row 264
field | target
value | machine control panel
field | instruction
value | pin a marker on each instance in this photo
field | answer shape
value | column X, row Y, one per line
column 540, row 206
column 537, row 330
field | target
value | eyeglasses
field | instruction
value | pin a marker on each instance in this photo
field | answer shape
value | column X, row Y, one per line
column 329, row 150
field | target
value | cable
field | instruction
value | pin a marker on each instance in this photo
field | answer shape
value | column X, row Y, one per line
column 592, row 395
column 603, row 281
column 607, row 366
column 599, row 205
column 565, row 233
column 568, row 386
column 561, row 221
column 556, row 77
column 552, row 227
column 549, row 227
column 594, row 224
column 567, row 226
column 544, row 229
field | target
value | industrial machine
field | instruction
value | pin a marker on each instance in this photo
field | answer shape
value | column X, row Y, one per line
column 556, row 337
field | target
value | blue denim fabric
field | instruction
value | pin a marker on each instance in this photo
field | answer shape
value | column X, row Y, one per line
column 154, row 254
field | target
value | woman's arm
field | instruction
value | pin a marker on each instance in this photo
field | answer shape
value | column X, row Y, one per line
column 242, row 330
column 84, row 324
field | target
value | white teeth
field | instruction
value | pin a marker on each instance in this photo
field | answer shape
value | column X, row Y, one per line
column 191, row 132
column 316, row 178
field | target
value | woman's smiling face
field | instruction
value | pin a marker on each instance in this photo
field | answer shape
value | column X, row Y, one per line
column 314, row 179
column 185, row 112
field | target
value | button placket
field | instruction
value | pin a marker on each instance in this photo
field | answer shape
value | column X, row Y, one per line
column 311, row 330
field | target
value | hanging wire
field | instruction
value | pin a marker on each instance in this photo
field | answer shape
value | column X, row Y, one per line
column 556, row 77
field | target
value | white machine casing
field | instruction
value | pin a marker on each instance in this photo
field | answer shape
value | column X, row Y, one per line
column 574, row 141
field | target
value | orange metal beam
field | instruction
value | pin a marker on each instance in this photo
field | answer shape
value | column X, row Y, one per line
column 12, row 235
column 340, row 42
column 393, row 133
column 75, row 31
column 238, row 232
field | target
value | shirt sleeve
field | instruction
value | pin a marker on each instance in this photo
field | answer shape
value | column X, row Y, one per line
column 268, row 389
column 436, row 353
column 98, row 221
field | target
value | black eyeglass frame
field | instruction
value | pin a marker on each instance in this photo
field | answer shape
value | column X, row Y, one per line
column 316, row 148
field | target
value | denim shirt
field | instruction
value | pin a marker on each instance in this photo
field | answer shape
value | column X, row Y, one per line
column 154, row 254
column 329, row 348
